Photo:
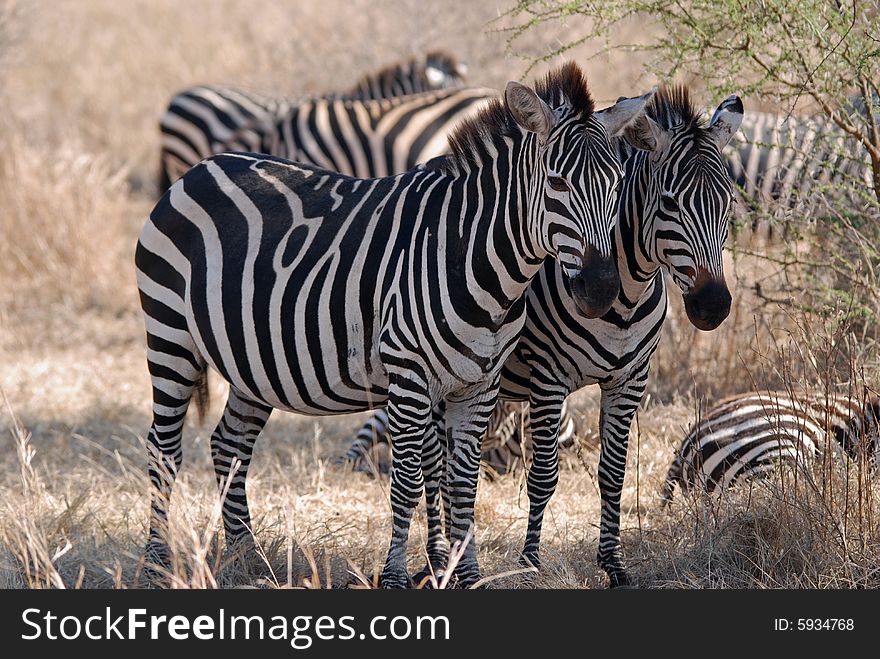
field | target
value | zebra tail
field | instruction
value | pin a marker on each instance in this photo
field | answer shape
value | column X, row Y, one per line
column 202, row 395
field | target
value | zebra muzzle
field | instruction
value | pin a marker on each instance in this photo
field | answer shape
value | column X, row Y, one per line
column 708, row 303
column 596, row 286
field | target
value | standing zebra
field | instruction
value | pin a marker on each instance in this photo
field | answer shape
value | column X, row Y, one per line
column 749, row 435
column 672, row 218
column 201, row 121
column 502, row 447
column 307, row 292
column 783, row 159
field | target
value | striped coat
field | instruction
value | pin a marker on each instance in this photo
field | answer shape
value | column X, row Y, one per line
column 209, row 119
column 318, row 293
column 749, row 435
column 672, row 219
column 781, row 161
column 504, row 447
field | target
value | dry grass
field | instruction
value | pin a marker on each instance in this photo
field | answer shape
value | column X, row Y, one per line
column 79, row 134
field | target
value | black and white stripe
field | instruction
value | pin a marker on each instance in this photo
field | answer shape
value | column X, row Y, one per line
column 368, row 138
column 750, row 435
column 318, row 293
column 672, row 219
column 204, row 120
column 781, row 161
column 503, row 449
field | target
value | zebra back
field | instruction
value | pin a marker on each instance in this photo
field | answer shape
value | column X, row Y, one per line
column 783, row 161
column 368, row 139
column 748, row 435
column 205, row 120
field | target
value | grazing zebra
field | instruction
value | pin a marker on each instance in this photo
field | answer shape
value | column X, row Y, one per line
column 201, row 121
column 370, row 138
column 783, row 159
column 502, row 447
column 748, row 435
column 318, row 293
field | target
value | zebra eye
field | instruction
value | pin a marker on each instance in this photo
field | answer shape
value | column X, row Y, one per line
column 669, row 201
column 558, row 183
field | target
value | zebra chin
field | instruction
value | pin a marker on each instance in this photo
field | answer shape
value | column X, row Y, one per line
column 708, row 303
column 595, row 288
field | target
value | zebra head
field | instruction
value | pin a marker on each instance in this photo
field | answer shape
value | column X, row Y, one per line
column 572, row 196
column 443, row 71
column 687, row 197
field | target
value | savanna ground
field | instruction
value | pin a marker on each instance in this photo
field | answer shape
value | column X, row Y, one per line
column 82, row 86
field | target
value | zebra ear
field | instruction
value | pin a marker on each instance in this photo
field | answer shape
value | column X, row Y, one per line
column 726, row 120
column 620, row 115
column 528, row 110
column 645, row 134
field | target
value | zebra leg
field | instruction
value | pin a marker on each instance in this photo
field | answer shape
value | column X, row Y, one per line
column 232, row 445
column 545, row 410
column 619, row 404
column 409, row 418
column 371, row 434
column 433, row 463
column 467, row 418
column 174, row 369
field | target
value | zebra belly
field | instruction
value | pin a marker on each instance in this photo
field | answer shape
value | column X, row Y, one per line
column 290, row 375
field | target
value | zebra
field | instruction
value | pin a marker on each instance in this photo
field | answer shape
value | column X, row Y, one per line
column 307, row 292
column 502, row 449
column 672, row 218
column 749, row 435
column 200, row 121
column 779, row 161
column 369, row 138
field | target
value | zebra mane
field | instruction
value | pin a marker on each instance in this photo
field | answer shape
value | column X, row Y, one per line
column 672, row 107
column 415, row 68
column 565, row 87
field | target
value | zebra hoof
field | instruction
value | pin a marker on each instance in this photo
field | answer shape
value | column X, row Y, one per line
column 530, row 559
column 394, row 580
column 467, row 577
column 428, row 578
column 620, row 581
column 157, row 564
column 433, row 571
column 613, row 567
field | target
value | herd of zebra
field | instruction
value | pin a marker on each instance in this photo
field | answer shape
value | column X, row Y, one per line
column 453, row 254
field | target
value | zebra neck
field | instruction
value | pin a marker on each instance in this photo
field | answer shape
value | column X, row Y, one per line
column 489, row 252
column 634, row 233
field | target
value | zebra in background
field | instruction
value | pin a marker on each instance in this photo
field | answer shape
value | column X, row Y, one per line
column 370, row 138
column 436, row 70
column 504, row 447
column 201, row 121
column 778, row 161
column 749, row 435
column 308, row 293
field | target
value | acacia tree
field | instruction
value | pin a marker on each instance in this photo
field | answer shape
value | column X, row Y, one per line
column 799, row 56
column 815, row 53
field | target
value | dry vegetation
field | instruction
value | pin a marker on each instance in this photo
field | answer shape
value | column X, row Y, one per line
column 82, row 86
